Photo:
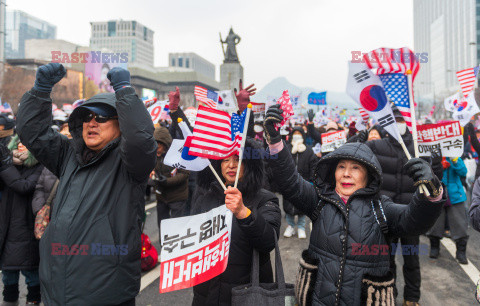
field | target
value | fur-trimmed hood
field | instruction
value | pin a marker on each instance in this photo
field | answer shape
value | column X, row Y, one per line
column 253, row 176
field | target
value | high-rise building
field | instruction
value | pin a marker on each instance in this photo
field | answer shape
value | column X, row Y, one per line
column 21, row 26
column 192, row 61
column 124, row 36
column 447, row 32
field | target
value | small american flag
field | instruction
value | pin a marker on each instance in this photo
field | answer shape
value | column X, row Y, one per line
column 216, row 134
column 210, row 98
column 396, row 88
column 364, row 114
column 286, row 106
column 467, row 78
column 388, row 60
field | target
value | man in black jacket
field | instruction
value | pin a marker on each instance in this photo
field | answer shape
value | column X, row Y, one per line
column 90, row 252
column 398, row 185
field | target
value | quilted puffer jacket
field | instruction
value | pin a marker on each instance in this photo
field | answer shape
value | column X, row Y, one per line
column 342, row 228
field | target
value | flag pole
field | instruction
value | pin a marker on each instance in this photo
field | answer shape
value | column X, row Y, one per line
column 216, row 175
column 423, row 188
column 244, row 138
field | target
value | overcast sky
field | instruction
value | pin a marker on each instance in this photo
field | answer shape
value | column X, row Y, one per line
column 306, row 41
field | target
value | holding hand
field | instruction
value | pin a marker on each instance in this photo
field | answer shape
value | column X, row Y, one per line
column 174, row 99
column 48, row 75
column 243, row 96
column 421, row 173
column 234, row 202
column 273, row 115
column 119, row 78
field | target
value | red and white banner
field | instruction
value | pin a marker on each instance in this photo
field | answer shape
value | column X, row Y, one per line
column 446, row 137
column 157, row 110
column 333, row 140
column 194, row 249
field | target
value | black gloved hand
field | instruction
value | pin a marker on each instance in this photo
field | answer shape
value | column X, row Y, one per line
column 421, row 173
column 362, row 136
column 119, row 78
column 273, row 115
column 310, row 115
column 48, row 75
column 161, row 180
column 6, row 159
column 469, row 129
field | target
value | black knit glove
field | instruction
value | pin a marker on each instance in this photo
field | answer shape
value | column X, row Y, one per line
column 310, row 115
column 5, row 157
column 469, row 129
column 421, row 173
column 48, row 75
column 119, row 78
column 273, row 115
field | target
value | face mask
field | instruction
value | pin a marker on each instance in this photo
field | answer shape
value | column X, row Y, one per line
column 258, row 128
column 402, row 128
column 297, row 138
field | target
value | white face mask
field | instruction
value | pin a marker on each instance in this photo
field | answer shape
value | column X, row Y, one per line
column 258, row 128
column 297, row 138
column 402, row 127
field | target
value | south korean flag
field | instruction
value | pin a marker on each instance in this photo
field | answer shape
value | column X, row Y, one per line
column 367, row 90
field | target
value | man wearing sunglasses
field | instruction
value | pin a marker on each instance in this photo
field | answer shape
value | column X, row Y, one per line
column 90, row 252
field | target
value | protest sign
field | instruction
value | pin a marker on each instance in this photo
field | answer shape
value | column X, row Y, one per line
column 194, row 249
column 157, row 109
column 333, row 140
column 446, row 137
column 258, row 110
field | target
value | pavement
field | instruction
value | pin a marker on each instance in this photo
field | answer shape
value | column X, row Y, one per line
column 444, row 280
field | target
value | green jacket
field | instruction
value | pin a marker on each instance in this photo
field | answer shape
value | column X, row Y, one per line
column 99, row 206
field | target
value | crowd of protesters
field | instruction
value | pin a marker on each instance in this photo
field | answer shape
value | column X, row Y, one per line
column 94, row 166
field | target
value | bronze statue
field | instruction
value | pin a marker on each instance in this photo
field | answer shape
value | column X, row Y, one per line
column 232, row 40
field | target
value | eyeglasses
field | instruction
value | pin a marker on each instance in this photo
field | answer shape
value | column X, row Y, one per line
column 98, row 118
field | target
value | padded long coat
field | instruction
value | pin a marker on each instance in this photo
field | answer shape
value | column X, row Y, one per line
column 340, row 226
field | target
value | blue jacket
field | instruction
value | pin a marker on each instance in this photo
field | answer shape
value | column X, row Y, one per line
column 451, row 179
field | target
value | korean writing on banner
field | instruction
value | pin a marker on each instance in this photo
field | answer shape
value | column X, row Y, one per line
column 258, row 110
column 194, row 249
column 446, row 137
column 333, row 140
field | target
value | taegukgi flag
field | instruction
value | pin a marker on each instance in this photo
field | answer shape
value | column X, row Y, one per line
column 367, row 90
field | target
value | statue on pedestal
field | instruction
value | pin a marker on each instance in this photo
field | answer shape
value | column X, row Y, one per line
column 232, row 40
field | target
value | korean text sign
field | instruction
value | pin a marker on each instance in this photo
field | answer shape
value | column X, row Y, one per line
column 194, row 249
column 333, row 140
column 446, row 137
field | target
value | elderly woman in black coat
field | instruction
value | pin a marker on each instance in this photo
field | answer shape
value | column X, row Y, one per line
column 18, row 247
column 351, row 221
column 256, row 217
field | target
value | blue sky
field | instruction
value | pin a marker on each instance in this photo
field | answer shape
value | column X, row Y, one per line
column 307, row 41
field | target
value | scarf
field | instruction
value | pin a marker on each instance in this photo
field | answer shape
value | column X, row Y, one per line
column 19, row 157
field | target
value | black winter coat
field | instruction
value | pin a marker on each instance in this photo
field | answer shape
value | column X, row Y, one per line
column 18, row 245
column 341, row 225
column 99, row 204
column 397, row 185
column 255, row 231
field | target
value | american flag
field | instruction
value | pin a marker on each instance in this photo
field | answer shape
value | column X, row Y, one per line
column 210, row 98
column 286, row 106
column 216, row 134
column 396, row 88
column 467, row 78
column 392, row 61
column 364, row 114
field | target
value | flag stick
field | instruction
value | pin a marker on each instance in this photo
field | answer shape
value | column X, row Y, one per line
column 244, row 138
column 218, row 178
column 423, row 189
